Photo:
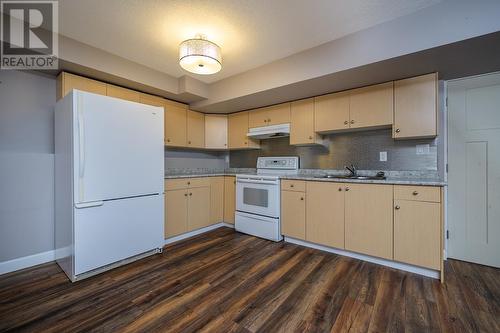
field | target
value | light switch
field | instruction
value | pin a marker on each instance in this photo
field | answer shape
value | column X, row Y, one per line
column 383, row 156
column 423, row 149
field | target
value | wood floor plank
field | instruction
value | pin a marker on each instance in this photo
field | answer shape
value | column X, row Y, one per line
column 224, row 281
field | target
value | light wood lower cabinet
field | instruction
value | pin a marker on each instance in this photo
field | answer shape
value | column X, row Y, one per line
column 229, row 199
column 293, row 214
column 216, row 199
column 176, row 209
column 368, row 219
column 325, row 213
column 198, row 208
column 417, row 233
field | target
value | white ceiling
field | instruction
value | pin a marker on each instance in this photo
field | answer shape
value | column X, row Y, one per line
column 250, row 33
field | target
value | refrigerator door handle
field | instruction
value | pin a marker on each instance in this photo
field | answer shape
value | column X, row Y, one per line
column 89, row 204
column 81, row 144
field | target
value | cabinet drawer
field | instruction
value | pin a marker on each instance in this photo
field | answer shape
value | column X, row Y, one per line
column 174, row 184
column 293, row 185
column 417, row 193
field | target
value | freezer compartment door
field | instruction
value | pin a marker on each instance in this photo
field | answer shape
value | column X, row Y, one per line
column 115, row 230
column 118, row 148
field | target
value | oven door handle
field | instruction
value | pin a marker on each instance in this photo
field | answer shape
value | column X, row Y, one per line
column 267, row 182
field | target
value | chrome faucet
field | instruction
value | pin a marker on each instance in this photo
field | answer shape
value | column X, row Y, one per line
column 352, row 169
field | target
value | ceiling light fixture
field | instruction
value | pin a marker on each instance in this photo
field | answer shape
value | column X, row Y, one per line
column 200, row 56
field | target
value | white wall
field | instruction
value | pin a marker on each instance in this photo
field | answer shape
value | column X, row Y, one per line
column 26, row 164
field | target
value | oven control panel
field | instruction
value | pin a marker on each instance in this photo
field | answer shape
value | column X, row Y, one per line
column 284, row 163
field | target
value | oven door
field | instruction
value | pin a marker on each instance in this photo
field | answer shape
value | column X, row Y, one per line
column 258, row 196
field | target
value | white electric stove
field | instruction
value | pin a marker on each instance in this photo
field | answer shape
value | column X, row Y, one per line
column 258, row 197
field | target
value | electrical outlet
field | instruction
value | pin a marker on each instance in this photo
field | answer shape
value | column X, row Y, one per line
column 383, row 156
column 423, row 149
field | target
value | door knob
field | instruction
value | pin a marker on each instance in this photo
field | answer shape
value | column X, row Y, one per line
column 397, row 207
column 398, row 130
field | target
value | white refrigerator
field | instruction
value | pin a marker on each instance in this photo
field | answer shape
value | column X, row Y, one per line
column 109, row 174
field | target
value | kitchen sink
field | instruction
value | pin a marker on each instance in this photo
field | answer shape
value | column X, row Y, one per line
column 352, row 177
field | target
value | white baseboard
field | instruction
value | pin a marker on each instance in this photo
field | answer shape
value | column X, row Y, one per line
column 25, row 262
column 197, row 232
column 384, row 262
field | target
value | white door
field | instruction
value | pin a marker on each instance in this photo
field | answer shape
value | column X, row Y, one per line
column 474, row 169
column 118, row 148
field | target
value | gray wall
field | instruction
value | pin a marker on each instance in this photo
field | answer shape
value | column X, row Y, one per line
column 360, row 148
column 26, row 164
column 192, row 159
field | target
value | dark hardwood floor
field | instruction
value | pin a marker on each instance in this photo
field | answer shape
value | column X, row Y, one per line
column 229, row 282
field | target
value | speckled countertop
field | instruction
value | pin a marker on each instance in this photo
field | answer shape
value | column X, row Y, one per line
column 425, row 178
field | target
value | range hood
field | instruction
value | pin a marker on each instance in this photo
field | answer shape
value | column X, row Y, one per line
column 269, row 132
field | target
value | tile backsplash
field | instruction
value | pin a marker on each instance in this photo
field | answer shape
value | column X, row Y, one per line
column 359, row 148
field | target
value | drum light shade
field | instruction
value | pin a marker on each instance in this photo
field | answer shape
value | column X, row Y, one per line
column 200, row 56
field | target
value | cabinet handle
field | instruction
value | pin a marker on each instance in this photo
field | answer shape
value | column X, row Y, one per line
column 265, row 120
column 190, row 194
column 415, row 193
column 398, row 130
column 346, row 122
column 185, row 194
column 310, row 137
column 352, row 121
column 291, row 185
column 302, row 198
column 340, row 189
column 397, row 207
column 168, row 140
column 347, row 188
column 246, row 142
column 189, row 142
column 189, row 183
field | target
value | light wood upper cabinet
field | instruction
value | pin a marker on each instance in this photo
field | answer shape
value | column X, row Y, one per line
column 176, row 210
column 195, row 129
column 368, row 219
column 237, row 131
column 175, row 125
column 293, row 214
column 325, row 213
column 216, row 199
column 371, row 106
column 415, row 107
column 417, row 233
column 229, row 199
column 122, row 93
column 151, row 100
column 271, row 115
column 67, row 81
column 216, row 131
column 331, row 112
column 198, row 208
column 302, row 123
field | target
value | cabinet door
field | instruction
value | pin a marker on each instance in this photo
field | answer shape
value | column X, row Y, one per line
column 195, row 129
column 325, row 213
column 302, row 123
column 151, row 100
column 417, row 233
column 237, row 131
column 368, row 219
column 331, row 112
column 229, row 199
column 67, row 81
column 216, row 199
column 415, row 107
column 198, row 208
column 257, row 118
column 293, row 214
column 372, row 106
column 175, row 212
column 175, row 125
column 278, row 114
column 215, row 131
column 122, row 93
